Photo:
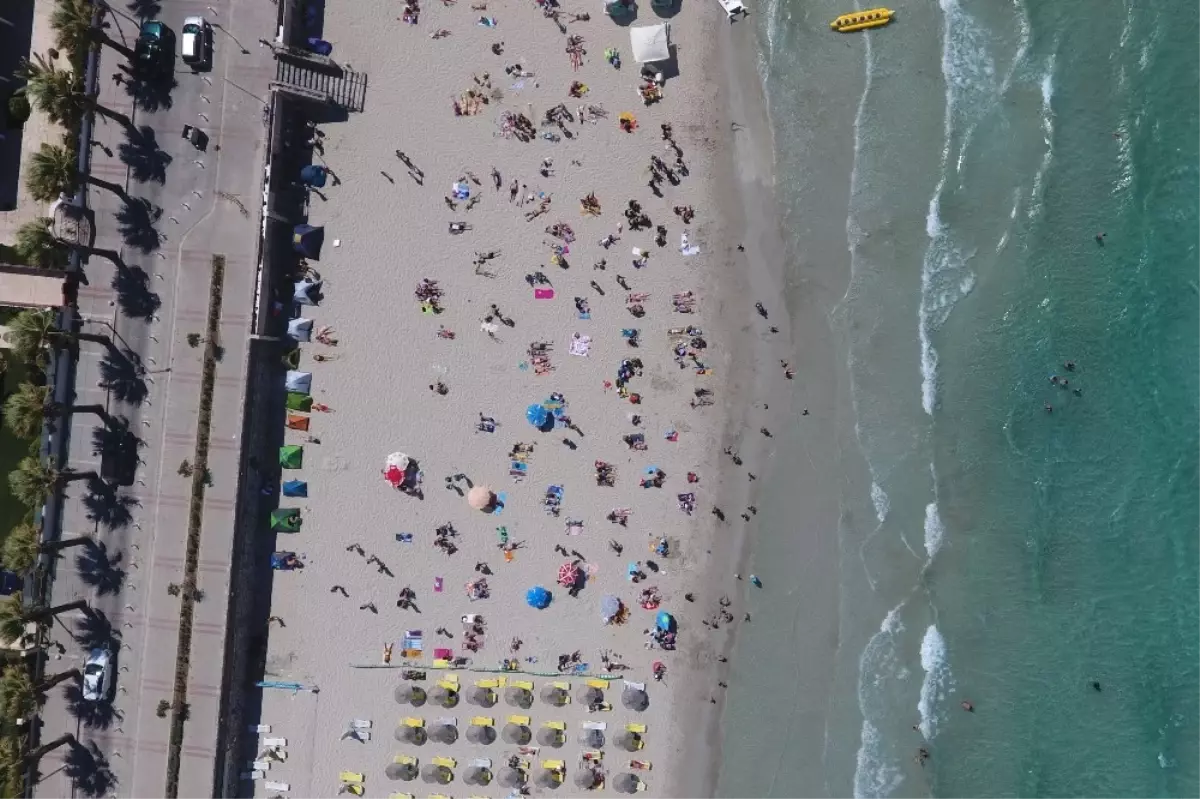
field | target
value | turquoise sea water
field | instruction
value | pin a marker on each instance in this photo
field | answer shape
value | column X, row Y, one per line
column 994, row 552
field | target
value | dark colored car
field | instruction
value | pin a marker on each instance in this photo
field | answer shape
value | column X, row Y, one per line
column 119, row 459
column 155, row 49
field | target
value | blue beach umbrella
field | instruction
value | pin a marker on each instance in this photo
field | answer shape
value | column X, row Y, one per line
column 538, row 597
column 538, row 416
column 664, row 621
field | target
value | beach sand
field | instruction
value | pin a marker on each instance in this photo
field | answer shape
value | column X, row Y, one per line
column 390, row 233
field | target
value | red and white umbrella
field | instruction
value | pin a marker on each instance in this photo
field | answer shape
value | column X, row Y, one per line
column 568, row 574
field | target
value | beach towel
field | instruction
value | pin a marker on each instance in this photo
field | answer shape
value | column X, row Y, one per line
column 580, row 345
column 543, row 294
column 296, row 421
column 684, row 247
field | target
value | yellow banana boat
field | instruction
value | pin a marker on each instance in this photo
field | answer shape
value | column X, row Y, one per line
column 861, row 20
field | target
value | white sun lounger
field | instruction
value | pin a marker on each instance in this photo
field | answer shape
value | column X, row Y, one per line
column 253, row 775
column 593, row 725
column 277, row 786
column 258, row 729
column 483, row 762
column 362, row 724
column 637, row 686
column 275, row 742
column 449, row 721
column 261, row 765
column 733, row 8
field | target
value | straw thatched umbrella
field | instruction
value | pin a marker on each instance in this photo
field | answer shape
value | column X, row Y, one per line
column 481, row 734
column 556, row 696
column 592, row 739
column 477, row 775
column 518, row 697
column 586, row 778
column 401, row 771
column 484, row 697
column 589, row 695
column 517, row 734
column 633, row 699
column 444, row 697
column 629, row 741
column 481, row 498
column 512, row 777
column 411, row 735
column 549, row 737
column 444, row 733
column 438, row 774
column 549, row 779
column 407, row 694
column 626, row 783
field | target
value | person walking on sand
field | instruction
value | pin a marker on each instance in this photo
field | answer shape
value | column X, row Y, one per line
column 339, row 589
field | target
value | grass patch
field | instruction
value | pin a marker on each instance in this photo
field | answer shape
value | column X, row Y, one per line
column 191, row 559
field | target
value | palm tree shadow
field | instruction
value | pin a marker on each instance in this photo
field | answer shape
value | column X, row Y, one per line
column 105, row 506
column 88, row 768
column 93, row 715
column 110, row 440
column 134, row 296
column 100, row 571
column 145, row 159
column 136, row 222
column 145, row 9
column 93, row 630
column 151, row 93
column 123, row 377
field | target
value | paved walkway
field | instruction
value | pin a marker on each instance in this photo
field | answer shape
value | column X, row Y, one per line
column 201, row 217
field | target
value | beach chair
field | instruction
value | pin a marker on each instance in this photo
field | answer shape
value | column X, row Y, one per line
column 522, row 720
column 449, row 685
column 352, row 788
column 637, row 686
column 275, row 743
column 401, row 796
column 440, row 760
column 483, row 721
column 441, row 663
column 253, row 775
column 640, row 729
column 491, row 683
column 448, row 720
column 555, row 725
column 451, row 678
column 261, row 764
column 412, row 721
column 732, row 8
column 405, row 760
column 482, row 762
column 594, row 725
column 524, row 684
column 554, row 765
column 351, row 776
column 277, row 786
column 362, row 724
column 258, row 729
column 592, row 755
column 594, row 683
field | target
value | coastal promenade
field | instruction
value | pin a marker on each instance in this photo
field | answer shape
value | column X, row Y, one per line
column 210, row 205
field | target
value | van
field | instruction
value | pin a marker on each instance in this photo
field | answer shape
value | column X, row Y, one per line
column 195, row 43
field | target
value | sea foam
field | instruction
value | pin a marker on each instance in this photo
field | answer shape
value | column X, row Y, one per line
column 934, row 531
column 937, row 682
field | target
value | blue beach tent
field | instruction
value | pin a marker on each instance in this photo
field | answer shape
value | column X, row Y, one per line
column 295, row 488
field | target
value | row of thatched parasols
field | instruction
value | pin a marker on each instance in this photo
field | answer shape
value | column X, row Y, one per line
column 415, row 695
column 508, row 777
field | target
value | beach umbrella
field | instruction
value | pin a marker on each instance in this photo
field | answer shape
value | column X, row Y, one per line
column 511, row 777
column 549, row 779
column 626, row 783
column 411, row 735
column 307, row 241
column 550, row 737
column 629, row 741
column 410, row 695
column 586, row 778
column 610, row 607
column 437, row 774
column 664, row 621
column 517, row 734
column 444, row 733
column 291, row 456
column 477, row 775
column 481, row 734
column 481, row 498
column 401, row 771
column 568, row 574
column 444, row 697
column 484, row 697
column 589, row 695
column 553, row 695
column 592, row 739
column 633, row 699
column 518, row 697
column 538, row 597
column 312, row 175
column 538, row 416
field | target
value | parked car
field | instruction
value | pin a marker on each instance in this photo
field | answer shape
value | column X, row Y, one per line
column 155, row 49
column 195, row 46
column 97, row 675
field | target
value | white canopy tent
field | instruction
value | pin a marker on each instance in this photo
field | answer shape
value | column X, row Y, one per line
column 650, row 43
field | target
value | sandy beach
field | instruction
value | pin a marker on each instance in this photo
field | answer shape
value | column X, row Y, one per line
column 392, row 384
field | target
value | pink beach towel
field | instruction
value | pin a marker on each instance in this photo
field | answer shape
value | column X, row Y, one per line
column 543, row 294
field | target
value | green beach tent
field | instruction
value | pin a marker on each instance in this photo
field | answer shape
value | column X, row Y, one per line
column 291, row 456
column 286, row 520
column 299, row 402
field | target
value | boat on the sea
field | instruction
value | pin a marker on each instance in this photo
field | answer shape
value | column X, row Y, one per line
column 861, row 20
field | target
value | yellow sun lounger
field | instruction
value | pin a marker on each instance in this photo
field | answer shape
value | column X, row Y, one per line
column 351, row 776
column 601, row 684
column 553, row 765
column 523, row 684
column 405, row 760
column 566, row 686
column 638, row 728
column 401, row 796
column 483, row 721
column 448, row 762
column 412, row 721
column 555, row 725
column 352, row 788
column 441, row 663
column 449, row 685
column 522, row 720
column 489, row 683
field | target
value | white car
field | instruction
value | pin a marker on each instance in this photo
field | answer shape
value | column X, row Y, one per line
column 97, row 675
column 196, row 41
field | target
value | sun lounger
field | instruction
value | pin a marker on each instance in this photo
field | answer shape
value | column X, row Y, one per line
column 405, row 760
column 637, row 686
column 523, row 684
column 555, row 725
column 553, row 765
column 362, row 724
column 592, row 755
column 277, row 786
column 638, row 728
column 443, row 796
column 401, row 796
column 275, row 742
column 483, row 721
column 601, row 684
column 258, row 729
column 261, row 764
column 522, row 720
column 362, row 735
column 412, row 721
column 449, row 685
column 440, row 760
column 451, row 678
column 351, row 776
column 594, row 725
column 441, row 664
column 498, row 682
column 253, row 775
column 732, row 8
column 448, row 720
column 482, row 762
column 566, row 686
column 352, row 788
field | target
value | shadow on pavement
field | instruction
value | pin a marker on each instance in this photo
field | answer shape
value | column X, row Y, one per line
column 134, row 296
column 136, row 220
column 123, row 377
column 88, row 767
column 99, row 570
column 145, row 9
column 93, row 630
column 145, row 159
column 150, row 93
column 106, row 507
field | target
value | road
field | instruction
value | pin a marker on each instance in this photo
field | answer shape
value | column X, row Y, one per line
column 210, row 205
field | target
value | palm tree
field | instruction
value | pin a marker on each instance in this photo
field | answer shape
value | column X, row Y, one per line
column 13, row 618
column 30, row 332
column 54, row 170
column 73, row 29
column 25, row 410
column 12, row 766
column 32, row 482
column 18, row 699
column 37, row 245
column 21, row 548
column 52, row 91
